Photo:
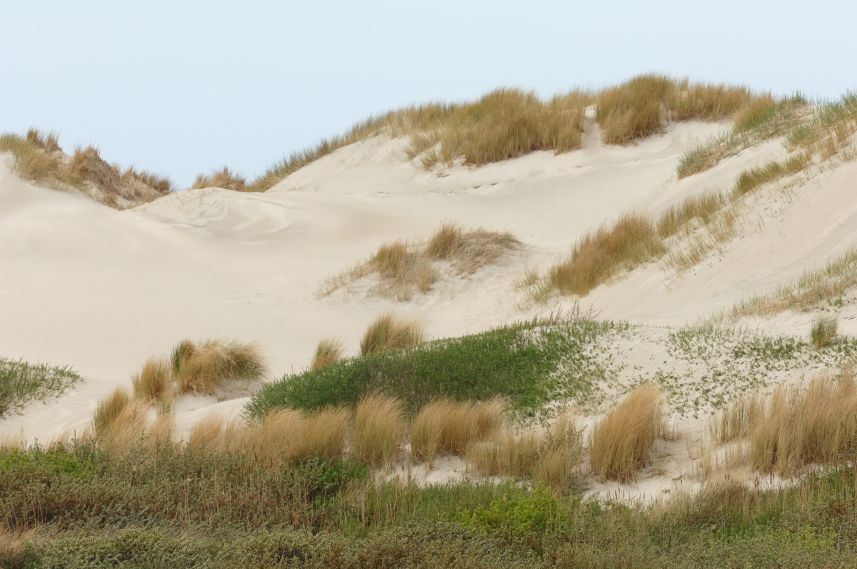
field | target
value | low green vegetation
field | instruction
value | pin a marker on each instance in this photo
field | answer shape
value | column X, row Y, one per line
column 823, row 331
column 76, row 507
column 711, row 365
column 22, row 383
column 518, row 362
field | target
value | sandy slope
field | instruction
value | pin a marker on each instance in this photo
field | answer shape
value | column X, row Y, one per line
column 102, row 290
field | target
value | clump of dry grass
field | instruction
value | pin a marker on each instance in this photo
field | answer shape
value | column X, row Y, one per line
column 223, row 178
column 153, row 381
column 378, row 430
column 388, row 332
column 403, row 268
column 49, row 142
column 327, row 353
column 207, row 432
column 39, row 157
column 204, row 367
column 751, row 179
column 109, row 408
column 643, row 105
column 754, row 114
column 552, row 457
column 703, row 208
column 737, row 420
column 798, row 427
column 630, row 241
column 447, row 426
column 622, row 441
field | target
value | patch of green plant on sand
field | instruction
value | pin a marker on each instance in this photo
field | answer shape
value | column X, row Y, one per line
column 22, row 383
column 530, row 364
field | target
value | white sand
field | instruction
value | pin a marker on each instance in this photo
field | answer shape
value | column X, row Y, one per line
column 102, row 290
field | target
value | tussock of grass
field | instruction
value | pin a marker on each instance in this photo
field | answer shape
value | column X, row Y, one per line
column 109, row 409
column 630, row 241
column 389, row 332
column 378, row 431
column 403, row 268
column 447, row 426
column 755, row 114
column 153, row 381
column 550, row 457
column 223, row 178
column 327, row 353
column 643, row 105
column 751, row 179
column 738, row 419
column 703, row 208
column 622, row 441
column 22, row 382
column 204, row 367
column 799, row 427
column 49, row 142
column 823, row 331
column 38, row 157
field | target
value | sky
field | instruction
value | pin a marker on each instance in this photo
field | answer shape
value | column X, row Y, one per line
column 183, row 87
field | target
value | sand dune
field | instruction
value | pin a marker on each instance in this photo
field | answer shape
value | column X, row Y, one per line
column 102, row 290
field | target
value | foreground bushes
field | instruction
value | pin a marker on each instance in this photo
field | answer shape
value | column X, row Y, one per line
column 84, row 509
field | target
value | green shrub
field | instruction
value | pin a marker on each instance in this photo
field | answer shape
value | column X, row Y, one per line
column 515, row 362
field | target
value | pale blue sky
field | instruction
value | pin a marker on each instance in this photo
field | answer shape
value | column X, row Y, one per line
column 184, row 87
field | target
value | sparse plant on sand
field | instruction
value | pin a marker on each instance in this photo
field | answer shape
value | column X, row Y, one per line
column 403, row 268
column 22, row 382
column 622, row 441
column 823, row 331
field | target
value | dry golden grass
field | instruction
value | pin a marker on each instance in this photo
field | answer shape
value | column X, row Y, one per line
column 403, row 268
column 205, row 367
column 327, row 353
column 702, row 208
column 551, row 457
column 755, row 113
column 389, row 332
column 446, row 426
column 153, row 381
column 799, row 427
column 378, row 430
column 49, row 142
column 751, row 179
column 109, row 408
column 630, row 241
column 39, row 157
column 207, row 432
column 643, row 105
column 737, row 420
column 223, row 178
column 622, row 441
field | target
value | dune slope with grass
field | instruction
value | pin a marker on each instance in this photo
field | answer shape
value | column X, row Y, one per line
column 592, row 216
